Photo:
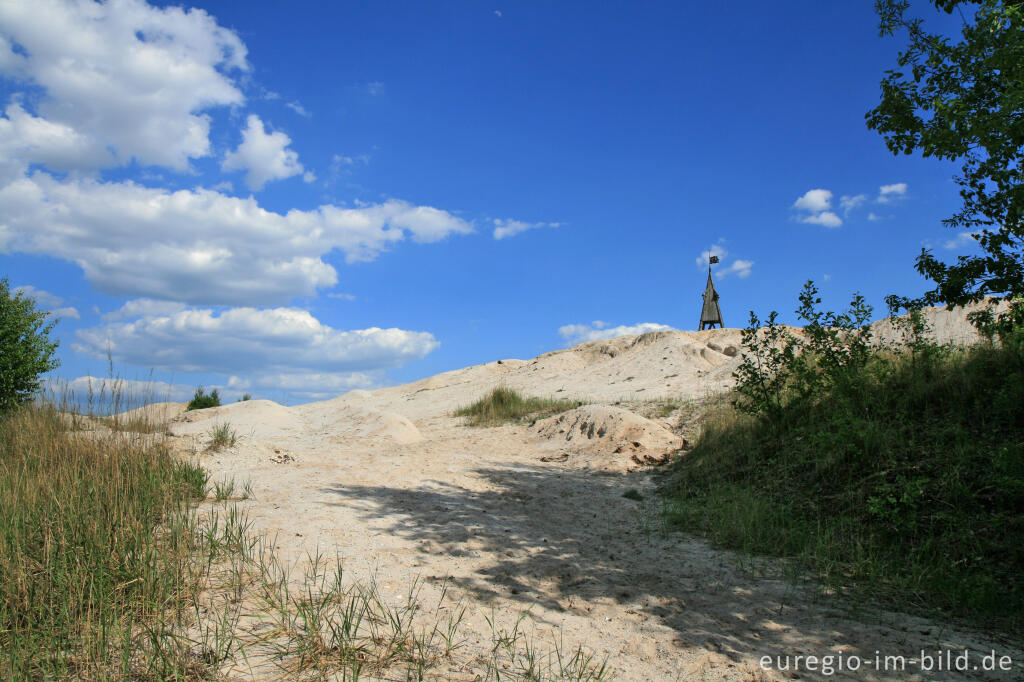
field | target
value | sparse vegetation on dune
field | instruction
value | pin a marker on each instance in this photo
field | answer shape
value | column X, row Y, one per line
column 121, row 561
column 899, row 471
column 87, row 576
column 503, row 405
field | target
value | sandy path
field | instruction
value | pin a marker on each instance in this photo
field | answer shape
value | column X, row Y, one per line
column 513, row 533
column 401, row 492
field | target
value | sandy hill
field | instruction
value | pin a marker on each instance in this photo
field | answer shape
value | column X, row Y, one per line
column 532, row 517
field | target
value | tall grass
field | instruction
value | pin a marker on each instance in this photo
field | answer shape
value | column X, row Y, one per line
column 907, row 481
column 85, row 568
column 120, row 561
column 504, row 404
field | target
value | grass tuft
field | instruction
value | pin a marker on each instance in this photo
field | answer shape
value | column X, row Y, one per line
column 222, row 436
column 503, row 405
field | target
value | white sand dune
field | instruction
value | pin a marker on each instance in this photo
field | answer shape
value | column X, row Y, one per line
column 533, row 517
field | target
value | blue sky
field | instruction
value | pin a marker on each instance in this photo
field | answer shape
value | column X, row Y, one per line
column 297, row 199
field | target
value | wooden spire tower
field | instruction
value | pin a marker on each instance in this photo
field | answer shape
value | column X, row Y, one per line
column 710, row 313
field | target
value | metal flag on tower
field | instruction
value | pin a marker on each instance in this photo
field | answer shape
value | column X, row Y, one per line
column 710, row 313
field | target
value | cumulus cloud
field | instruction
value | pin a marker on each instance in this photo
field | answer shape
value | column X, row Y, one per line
column 120, row 76
column 305, row 385
column 130, row 392
column 889, row 193
column 139, row 307
column 580, row 333
column 741, row 268
column 815, row 205
column 279, row 342
column 826, row 218
column 962, row 240
column 47, row 301
column 263, row 156
column 26, row 139
column 814, row 200
column 510, row 228
column 200, row 246
column 848, row 203
column 738, row 267
column 705, row 256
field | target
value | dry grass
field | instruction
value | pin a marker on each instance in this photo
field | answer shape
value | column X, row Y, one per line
column 122, row 561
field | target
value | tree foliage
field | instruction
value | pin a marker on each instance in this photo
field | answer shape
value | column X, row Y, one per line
column 201, row 400
column 963, row 101
column 26, row 351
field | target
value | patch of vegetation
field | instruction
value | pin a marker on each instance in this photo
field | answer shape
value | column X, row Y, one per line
column 86, row 575
column 245, row 398
column 222, row 436
column 503, row 405
column 896, row 471
column 26, row 351
column 123, row 562
column 201, row 400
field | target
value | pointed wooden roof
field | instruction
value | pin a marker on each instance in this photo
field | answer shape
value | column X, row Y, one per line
column 710, row 314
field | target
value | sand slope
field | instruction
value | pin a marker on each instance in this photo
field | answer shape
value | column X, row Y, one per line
column 533, row 517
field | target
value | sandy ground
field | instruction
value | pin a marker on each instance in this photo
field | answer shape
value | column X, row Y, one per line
column 533, row 519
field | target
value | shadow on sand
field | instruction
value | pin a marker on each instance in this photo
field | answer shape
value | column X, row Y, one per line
column 567, row 540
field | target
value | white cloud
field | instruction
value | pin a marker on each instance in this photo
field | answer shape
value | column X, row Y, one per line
column 264, row 156
column 579, row 333
column 816, row 205
column 130, row 392
column 201, row 246
column 888, row 193
column 278, row 341
column 510, row 228
column 874, row 217
column 26, row 139
column 121, row 75
column 140, row 307
column 298, row 109
column 47, row 301
column 962, row 240
column 814, row 200
column 375, row 87
column 705, row 257
column 741, row 268
column 43, row 298
column 848, row 203
column 66, row 312
column 305, row 385
column 738, row 267
column 826, row 218
column 342, row 296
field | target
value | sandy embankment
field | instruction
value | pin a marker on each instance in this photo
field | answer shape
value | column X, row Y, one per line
column 533, row 518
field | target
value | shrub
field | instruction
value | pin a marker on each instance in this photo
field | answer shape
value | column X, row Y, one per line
column 26, row 350
column 200, row 400
column 779, row 369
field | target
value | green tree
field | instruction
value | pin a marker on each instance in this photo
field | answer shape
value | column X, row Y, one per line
column 26, row 350
column 963, row 101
